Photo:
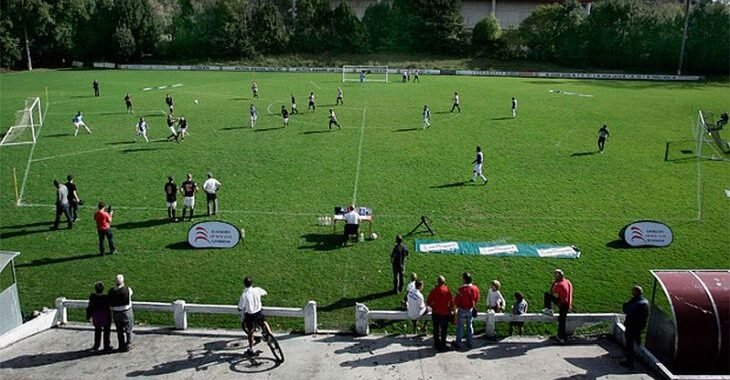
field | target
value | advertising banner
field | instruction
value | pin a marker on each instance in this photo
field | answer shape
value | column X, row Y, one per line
column 214, row 234
column 498, row 249
column 646, row 233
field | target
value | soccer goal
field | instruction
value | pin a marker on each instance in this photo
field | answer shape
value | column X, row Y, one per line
column 27, row 122
column 707, row 135
column 365, row 73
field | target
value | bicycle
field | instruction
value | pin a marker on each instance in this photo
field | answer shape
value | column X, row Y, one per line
column 270, row 340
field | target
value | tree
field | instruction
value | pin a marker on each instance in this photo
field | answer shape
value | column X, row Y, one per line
column 312, row 25
column 553, row 32
column 378, row 23
column 708, row 50
column 347, row 31
column 9, row 45
column 267, row 27
column 124, row 42
column 485, row 34
column 32, row 18
column 441, row 26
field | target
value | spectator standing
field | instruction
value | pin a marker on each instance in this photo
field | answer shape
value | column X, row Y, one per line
column 120, row 300
column 73, row 198
column 637, row 314
column 411, row 285
column 62, row 206
column 100, row 316
column 171, row 198
column 495, row 300
column 442, row 305
column 561, row 294
column 416, row 306
column 467, row 297
column 398, row 263
column 518, row 308
column 103, row 219
column 251, row 308
column 211, row 187
column 95, row 85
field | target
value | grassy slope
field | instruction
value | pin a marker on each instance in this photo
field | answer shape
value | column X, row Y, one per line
column 538, row 191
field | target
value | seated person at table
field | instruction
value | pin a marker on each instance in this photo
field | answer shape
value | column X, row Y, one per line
column 352, row 223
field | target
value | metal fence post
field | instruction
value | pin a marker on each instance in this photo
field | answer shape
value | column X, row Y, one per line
column 490, row 323
column 180, row 315
column 310, row 317
column 362, row 326
column 62, row 311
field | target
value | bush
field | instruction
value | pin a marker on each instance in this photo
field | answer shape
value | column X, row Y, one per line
column 485, row 36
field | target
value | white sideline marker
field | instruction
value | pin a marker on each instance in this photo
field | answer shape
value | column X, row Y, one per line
column 146, row 88
column 176, row 85
column 161, row 87
column 359, row 158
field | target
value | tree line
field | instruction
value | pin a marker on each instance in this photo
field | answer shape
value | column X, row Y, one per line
column 640, row 35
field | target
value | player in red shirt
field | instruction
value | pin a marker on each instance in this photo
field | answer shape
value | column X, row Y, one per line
column 560, row 294
column 103, row 219
column 441, row 304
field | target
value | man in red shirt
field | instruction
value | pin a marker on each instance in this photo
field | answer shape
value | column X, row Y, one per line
column 466, row 300
column 441, row 304
column 103, row 219
column 561, row 294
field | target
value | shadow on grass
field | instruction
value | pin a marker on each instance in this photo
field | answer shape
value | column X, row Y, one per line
column 81, row 96
column 114, row 113
column 450, row 185
column 318, row 131
column 56, row 135
column 135, row 150
column 268, row 129
column 34, row 224
column 120, row 143
column 350, row 301
column 406, row 130
column 620, row 244
column 502, row 118
column 142, row 224
column 322, row 242
column 232, row 128
column 43, row 359
column 180, row 246
column 580, row 154
column 24, row 232
column 58, row 260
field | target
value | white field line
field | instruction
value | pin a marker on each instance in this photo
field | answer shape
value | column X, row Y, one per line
column 30, row 158
column 315, row 85
column 560, row 140
column 76, row 153
column 143, row 112
column 359, row 157
column 403, row 216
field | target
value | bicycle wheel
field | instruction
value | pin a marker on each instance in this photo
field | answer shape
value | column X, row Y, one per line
column 274, row 346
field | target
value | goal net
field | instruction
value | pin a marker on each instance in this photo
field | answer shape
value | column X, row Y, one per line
column 27, row 122
column 710, row 144
column 365, row 73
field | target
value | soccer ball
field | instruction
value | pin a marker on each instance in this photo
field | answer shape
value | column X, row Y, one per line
column 373, row 236
column 195, row 101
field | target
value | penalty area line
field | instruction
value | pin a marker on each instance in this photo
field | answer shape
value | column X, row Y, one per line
column 315, row 85
column 359, row 158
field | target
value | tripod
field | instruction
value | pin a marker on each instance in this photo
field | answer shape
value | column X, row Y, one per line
column 424, row 222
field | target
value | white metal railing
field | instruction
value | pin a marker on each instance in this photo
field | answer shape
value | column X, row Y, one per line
column 180, row 310
column 363, row 316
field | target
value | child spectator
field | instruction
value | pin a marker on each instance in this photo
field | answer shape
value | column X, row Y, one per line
column 495, row 300
column 100, row 315
column 519, row 308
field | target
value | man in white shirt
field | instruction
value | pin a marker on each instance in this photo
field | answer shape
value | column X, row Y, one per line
column 352, row 223
column 417, row 306
column 141, row 130
column 457, row 103
column 211, row 186
column 426, row 117
column 251, row 310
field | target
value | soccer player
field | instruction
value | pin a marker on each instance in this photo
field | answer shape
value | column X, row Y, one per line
column 141, row 130
column 456, row 104
column 478, row 166
column 405, row 76
column 362, row 76
column 602, row 137
column 514, row 107
column 78, row 121
column 171, row 125
column 171, row 197
column 128, row 102
column 255, row 90
column 339, row 97
column 311, row 106
column 426, row 117
column 333, row 119
column 182, row 126
column 293, row 105
column 95, row 85
column 254, row 115
column 169, row 102
column 188, row 190
column 415, row 77
column 285, row 116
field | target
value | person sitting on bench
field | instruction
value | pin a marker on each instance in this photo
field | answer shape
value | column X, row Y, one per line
column 352, row 223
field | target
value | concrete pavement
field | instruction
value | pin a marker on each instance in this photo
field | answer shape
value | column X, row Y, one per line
column 62, row 353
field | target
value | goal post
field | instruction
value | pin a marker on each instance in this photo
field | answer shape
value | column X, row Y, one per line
column 27, row 123
column 352, row 73
column 707, row 134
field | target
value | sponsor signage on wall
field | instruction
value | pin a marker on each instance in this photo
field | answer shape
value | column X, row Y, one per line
column 214, row 234
column 647, row 233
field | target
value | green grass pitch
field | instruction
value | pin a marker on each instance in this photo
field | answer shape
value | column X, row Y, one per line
column 546, row 185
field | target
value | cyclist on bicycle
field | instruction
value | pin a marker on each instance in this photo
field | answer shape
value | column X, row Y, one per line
column 251, row 311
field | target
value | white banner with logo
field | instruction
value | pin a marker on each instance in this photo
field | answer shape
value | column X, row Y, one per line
column 214, row 234
column 645, row 233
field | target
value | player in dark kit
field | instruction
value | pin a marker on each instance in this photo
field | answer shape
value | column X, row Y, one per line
column 171, row 198
column 294, row 105
column 128, row 102
column 182, row 126
column 171, row 126
column 169, row 102
column 602, row 137
column 285, row 115
column 95, row 85
column 311, row 106
column 188, row 189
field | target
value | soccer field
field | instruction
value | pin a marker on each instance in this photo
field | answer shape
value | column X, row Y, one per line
column 546, row 185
